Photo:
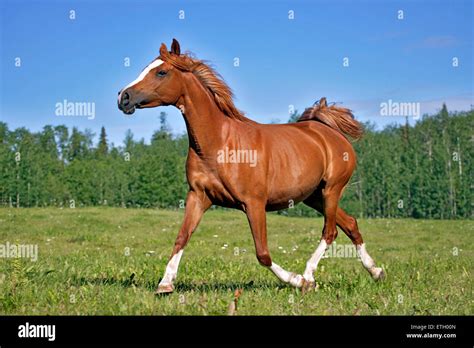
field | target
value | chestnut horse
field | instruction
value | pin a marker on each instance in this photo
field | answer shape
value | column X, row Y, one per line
column 238, row 163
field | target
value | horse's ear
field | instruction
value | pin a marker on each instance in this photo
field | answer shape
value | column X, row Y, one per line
column 175, row 47
column 163, row 50
column 323, row 103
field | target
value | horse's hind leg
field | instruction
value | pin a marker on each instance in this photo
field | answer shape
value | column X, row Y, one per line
column 348, row 224
column 329, row 198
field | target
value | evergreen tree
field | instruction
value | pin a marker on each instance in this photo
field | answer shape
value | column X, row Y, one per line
column 102, row 148
column 419, row 171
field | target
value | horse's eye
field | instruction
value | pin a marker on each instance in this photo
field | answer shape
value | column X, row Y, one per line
column 161, row 73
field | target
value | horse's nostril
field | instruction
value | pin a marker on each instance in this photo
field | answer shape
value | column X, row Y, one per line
column 125, row 99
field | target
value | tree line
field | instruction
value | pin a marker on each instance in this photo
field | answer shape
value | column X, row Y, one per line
column 421, row 171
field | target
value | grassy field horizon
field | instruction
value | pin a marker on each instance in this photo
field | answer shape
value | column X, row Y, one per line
column 101, row 261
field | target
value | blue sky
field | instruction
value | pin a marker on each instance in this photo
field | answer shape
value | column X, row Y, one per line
column 282, row 62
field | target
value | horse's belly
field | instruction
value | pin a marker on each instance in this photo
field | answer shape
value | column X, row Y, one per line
column 285, row 196
column 294, row 177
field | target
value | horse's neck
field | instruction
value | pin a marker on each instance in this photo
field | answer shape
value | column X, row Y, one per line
column 204, row 120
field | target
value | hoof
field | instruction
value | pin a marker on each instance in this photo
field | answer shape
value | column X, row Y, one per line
column 378, row 274
column 296, row 280
column 308, row 286
column 164, row 289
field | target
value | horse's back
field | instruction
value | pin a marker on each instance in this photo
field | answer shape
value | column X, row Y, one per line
column 298, row 156
column 335, row 155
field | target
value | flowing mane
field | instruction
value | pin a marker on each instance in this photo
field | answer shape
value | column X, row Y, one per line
column 209, row 78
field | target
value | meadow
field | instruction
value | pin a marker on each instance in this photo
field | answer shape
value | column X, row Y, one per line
column 108, row 261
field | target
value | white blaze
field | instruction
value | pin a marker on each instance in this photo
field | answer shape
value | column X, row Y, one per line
column 142, row 75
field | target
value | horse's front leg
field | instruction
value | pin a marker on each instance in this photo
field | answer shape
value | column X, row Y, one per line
column 196, row 204
column 256, row 216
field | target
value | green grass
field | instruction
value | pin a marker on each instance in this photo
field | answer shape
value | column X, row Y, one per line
column 82, row 267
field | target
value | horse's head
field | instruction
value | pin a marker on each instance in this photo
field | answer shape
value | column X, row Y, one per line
column 160, row 83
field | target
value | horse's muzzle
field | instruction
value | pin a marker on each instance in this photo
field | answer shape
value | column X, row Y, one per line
column 125, row 102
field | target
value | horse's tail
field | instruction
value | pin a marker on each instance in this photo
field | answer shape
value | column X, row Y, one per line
column 336, row 117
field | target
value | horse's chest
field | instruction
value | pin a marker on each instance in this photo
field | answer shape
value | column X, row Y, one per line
column 215, row 186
